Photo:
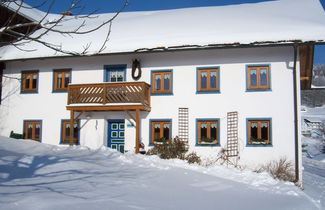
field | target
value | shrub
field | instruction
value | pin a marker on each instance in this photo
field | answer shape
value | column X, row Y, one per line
column 193, row 158
column 16, row 135
column 174, row 149
column 281, row 169
column 170, row 149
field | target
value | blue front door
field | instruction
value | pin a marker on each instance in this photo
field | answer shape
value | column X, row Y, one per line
column 116, row 133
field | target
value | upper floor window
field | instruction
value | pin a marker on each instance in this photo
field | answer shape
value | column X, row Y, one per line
column 208, row 132
column 161, row 82
column 65, row 132
column 32, row 129
column 115, row 73
column 160, row 131
column 258, row 77
column 61, row 80
column 29, row 81
column 259, row 131
column 207, row 80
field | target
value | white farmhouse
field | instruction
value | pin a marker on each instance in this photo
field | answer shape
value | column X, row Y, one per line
column 217, row 77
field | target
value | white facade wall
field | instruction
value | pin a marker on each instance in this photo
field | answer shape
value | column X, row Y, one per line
column 276, row 104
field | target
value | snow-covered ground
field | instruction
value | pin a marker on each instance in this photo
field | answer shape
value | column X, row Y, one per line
column 40, row 176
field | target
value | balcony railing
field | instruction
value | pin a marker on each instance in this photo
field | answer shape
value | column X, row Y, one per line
column 109, row 93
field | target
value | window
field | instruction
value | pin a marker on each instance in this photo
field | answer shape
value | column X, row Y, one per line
column 29, row 81
column 207, row 131
column 61, row 80
column 115, row 73
column 259, row 131
column 207, row 80
column 32, row 129
column 258, row 77
column 160, row 131
column 161, row 82
column 65, row 132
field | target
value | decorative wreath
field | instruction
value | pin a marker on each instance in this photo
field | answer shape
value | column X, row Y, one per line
column 136, row 65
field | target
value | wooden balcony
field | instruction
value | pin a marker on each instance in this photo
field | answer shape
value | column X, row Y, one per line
column 122, row 96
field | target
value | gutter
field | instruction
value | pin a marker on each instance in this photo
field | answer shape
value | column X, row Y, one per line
column 178, row 48
column 295, row 98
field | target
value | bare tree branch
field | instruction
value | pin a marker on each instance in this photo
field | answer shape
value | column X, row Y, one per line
column 21, row 32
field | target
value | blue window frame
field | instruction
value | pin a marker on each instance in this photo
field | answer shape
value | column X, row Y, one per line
column 115, row 73
column 259, row 131
column 61, row 80
column 160, row 130
column 29, row 81
column 208, row 80
column 258, row 78
column 32, row 129
column 65, row 132
column 208, row 132
column 162, row 82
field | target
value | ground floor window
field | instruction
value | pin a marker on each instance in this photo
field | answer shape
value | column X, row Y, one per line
column 65, row 132
column 160, row 131
column 207, row 131
column 259, row 131
column 33, row 129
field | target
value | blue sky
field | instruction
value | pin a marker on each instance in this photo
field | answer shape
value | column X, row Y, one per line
column 104, row 6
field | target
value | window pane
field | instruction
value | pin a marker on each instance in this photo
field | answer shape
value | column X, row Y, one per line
column 59, row 82
column 37, row 131
column 29, row 131
column 113, row 76
column 67, row 131
column 213, row 131
column 67, row 79
column 27, row 81
column 263, row 75
column 158, row 80
column 264, row 130
column 75, row 131
column 167, row 81
column 120, row 76
column 253, row 130
column 203, row 76
column 34, row 81
column 213, row 79
column 166, row 131
column 253, row 77
column 156, row 131
column 204, row 131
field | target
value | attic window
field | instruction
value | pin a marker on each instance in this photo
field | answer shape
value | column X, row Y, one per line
column 161, row 82
column 61, row 80
column 208, row 80
column 29, row 81
column 258, row 78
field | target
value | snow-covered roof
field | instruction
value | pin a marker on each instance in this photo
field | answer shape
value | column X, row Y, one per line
column 23, row 9
column 281, row 21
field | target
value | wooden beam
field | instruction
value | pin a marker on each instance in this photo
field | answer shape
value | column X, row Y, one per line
column 109, row 108
column 130, row 115
column 78, row 116
column 71, row 127
column 306, row 56
column 137, row 130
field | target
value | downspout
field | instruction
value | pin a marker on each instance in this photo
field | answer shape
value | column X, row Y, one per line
column 295, row 99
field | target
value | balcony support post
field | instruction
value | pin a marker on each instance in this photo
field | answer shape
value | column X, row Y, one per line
column 71, row 127
column 137, row 130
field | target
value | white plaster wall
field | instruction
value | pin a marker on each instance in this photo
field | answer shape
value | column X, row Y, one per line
column 276, row 104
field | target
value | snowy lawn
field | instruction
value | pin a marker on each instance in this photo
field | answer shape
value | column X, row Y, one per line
column 39, row 176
